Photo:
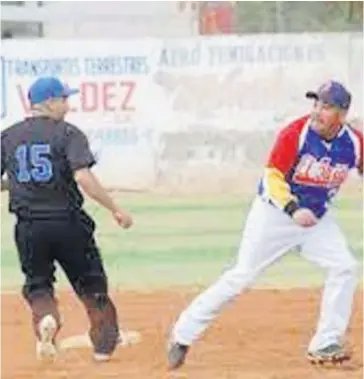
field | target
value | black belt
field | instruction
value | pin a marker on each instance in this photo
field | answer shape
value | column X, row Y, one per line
column 26, row 214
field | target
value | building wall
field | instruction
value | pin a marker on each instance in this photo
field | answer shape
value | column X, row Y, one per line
column 124, row 19
column 99, row 19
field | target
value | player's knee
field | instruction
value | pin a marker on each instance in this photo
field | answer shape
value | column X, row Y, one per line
column 90, row 285
column 238, row 278
column 352, row 267
column 37, row 288
column 349, row 268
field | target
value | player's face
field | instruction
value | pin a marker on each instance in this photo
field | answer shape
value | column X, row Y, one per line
column 327, row 119
column 59, row 107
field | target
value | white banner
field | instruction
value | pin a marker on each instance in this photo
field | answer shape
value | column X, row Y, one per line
column 132, row 92
column 253, row 82
column 113, row 106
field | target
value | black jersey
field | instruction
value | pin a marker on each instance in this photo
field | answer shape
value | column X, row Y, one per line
column 39, row 156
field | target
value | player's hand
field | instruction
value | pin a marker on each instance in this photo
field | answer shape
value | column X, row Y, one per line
column 305, row 217
column 123, row 218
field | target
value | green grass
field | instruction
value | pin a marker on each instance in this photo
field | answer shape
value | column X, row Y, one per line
column 182, row 241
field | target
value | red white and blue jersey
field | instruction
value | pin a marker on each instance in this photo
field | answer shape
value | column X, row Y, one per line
column 305, row 168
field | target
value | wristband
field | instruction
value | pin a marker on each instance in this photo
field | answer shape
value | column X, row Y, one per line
column 291, row 208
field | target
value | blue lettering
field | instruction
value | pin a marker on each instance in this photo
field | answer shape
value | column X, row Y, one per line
column 43, row 67
column 180, row 57
column 218, row 55
column 33, row 163
column 115, row 65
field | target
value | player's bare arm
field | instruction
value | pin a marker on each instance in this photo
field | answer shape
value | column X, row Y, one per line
column 359, row 164
column 93, row 188
column 81, row 159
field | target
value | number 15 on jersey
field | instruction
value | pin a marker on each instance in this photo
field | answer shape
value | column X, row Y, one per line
column 33, row 163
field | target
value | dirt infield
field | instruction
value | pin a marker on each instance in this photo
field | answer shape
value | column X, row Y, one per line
column 261, row 336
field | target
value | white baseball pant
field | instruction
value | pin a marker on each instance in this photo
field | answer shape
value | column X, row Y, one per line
column 268, row 235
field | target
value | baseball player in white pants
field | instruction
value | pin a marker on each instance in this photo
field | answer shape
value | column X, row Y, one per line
column 311, row 158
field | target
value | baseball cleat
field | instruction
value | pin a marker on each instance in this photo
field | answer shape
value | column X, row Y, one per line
column 176, row 355
column 332, row 354
column 45, row 347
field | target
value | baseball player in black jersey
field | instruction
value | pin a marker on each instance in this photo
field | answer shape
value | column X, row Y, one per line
column 46, row 159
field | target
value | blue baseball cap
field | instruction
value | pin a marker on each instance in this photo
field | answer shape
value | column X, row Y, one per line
column 46, row 88
column 333, row 93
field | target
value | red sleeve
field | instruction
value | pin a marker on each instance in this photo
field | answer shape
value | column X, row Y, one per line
column 285, row 149
column 359, row 134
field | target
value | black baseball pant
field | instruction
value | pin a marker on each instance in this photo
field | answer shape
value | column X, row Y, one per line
column 68, row 239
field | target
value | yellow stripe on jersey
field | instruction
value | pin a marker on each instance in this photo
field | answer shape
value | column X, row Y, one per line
column 276, row 187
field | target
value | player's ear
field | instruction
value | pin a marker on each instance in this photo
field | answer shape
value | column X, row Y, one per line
column 342, row 115
column 47, row 108
column 51, row 104
column 47, row 104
